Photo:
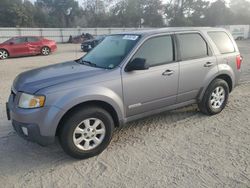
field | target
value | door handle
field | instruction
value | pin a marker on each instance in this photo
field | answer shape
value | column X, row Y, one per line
column 208, row 64
column 168, row 72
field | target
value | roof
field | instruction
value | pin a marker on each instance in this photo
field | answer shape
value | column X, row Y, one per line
column 170, row 29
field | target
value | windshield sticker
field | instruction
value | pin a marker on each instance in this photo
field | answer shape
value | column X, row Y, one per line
column 130, row 37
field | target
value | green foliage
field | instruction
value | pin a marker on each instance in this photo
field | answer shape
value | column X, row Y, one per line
column 122, row 13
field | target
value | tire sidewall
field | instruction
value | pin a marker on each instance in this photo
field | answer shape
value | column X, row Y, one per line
column 212, row 86
column 66, row 137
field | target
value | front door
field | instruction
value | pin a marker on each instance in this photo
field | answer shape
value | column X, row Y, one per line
column 156, row 87
column 19, row 46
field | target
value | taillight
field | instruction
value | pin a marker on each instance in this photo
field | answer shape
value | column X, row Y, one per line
column 238, row 61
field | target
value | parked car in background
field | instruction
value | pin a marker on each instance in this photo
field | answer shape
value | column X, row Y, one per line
column 126, row 77
column 80, row 38
column 25, row 46
column 88, row 45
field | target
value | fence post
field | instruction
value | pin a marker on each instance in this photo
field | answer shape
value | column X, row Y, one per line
column 19, row 31
column 95, row 31
column 61, row 32
column 41, row 32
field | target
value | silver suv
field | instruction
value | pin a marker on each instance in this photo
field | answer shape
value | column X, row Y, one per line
column 126, row 77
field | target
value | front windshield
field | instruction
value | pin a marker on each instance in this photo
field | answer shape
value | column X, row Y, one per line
column 111, row 51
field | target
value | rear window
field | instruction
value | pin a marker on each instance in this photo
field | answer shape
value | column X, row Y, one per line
column 222, row 41
column 192, row 46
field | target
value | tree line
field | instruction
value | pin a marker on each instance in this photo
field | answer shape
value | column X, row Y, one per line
column 122, row 13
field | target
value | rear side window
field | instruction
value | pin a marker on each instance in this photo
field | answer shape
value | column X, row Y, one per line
column 192, row 46
column 222, row 41
column 33, row 39
column 157, row 51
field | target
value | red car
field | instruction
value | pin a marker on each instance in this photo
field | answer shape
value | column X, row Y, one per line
column 26, row 45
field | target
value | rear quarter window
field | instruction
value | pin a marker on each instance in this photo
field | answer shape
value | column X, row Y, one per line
column 222, row 41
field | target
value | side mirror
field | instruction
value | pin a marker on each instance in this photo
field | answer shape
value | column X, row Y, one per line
column 137, row 64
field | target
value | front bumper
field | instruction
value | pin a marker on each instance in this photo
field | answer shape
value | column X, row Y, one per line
column 32, row 133
column 38, row 125
column 86, row 48
column 53, row 48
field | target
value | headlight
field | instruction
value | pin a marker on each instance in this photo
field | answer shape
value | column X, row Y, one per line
column 31, row 101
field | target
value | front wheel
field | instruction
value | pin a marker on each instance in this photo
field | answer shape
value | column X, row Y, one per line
column 215, row 97
column 4, row 54
column 87, row 132
column 45, row 50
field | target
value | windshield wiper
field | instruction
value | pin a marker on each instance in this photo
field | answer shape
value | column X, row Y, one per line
column 84, row 62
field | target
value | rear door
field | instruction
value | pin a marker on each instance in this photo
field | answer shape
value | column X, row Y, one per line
column 19, row 46
column 196, row 64
column 156, row 87
column 34, row 44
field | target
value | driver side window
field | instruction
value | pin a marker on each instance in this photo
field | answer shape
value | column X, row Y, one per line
column 20, row 40
column 156, row 51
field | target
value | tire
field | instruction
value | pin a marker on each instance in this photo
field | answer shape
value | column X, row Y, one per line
column 45, row 51
column 76, row 128
column 215, row 97
column 4, row 54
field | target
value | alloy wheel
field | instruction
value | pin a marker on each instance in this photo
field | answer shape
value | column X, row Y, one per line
column 45, row 51
column 217, row 97
column 3, row 54
column 89, row 134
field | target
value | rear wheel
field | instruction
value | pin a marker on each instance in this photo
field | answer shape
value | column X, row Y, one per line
column 87, row 132
column 4, row 54
column 45, row 50
column 215, row 97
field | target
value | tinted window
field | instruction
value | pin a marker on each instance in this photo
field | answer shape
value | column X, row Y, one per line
column 33, row 39
column 222, row 41
column 192, row 46
column 156, row 51
column 19, row 40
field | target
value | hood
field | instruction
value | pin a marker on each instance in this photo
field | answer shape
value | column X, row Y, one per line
column 2, row 44
column 36, row 79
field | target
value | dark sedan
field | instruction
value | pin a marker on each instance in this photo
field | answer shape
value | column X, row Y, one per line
column 88, row 45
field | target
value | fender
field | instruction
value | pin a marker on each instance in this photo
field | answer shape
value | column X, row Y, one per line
column 71, row 98
column 223, row 69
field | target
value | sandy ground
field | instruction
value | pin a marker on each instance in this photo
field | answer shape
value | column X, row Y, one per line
column 181, row 148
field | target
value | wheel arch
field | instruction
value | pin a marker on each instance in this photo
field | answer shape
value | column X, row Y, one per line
column 98, row 103
column 224, row 76
column 228, row 79
column 5, row 50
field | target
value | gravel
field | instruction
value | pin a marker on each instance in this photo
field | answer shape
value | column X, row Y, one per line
column 180, row 148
